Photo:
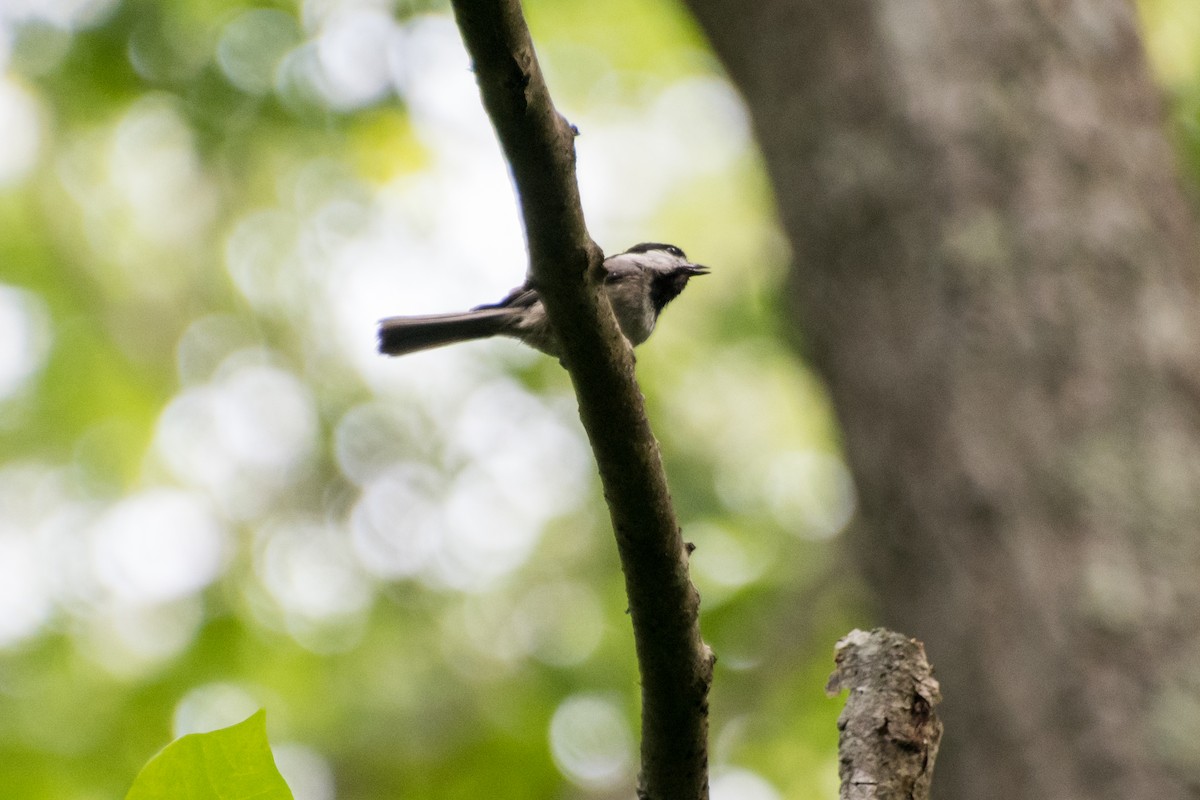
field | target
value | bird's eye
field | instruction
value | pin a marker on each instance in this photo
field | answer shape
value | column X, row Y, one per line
column 675, row 251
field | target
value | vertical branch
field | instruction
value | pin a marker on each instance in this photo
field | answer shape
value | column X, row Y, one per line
column 674, row 663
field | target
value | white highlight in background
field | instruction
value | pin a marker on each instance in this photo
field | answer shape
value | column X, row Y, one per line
column 591, row 742
column 24, row 337
column 244, row 436
column 159, row 545
column 211, row 707
column 20, row 130
column 25, row 602
column 741, row 784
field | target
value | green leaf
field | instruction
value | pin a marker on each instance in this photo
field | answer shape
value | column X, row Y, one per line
column 233, row 763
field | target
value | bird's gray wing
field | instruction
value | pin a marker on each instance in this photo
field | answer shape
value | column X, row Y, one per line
column 619, row 267
column 520, row 297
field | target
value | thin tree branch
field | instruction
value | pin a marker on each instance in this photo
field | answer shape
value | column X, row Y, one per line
column 675, row 664
column 889, row 729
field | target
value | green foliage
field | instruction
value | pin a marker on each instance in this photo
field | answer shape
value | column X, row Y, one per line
column 1172, row 31
column 233, row 763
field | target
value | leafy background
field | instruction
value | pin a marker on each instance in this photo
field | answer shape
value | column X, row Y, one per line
column 215, row 496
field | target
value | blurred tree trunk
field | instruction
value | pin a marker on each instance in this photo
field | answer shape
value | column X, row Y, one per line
column 996, row 272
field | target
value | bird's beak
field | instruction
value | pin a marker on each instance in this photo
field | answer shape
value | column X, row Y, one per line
column 697, row 269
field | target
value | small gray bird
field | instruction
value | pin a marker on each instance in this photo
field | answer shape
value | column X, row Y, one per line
column 638, row 282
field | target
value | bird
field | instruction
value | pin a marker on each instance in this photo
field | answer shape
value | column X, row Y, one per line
column 638, row 282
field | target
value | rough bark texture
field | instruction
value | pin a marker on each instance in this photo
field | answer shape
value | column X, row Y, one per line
column 889, row 731
column 674, row 663
column 996, row 272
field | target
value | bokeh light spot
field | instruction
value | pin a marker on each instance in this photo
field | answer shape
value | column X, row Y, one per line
column 24, row 337
column 252, row 45
column 723, row 558
column 372, row 437
column 396, row 527
column 810, row 493
column 20, row 131
column 519, row 441
column 243, row 436
column 741, row 784
column 353, row 53
column 155, row 166
column 259, row 255
column 131, row 639
column 487, row 536
column 559, row 623
column 159, row 545
column 207, row 342
column 66, row 14
column 213, row 706
column 25, row 600
column 309, row 571
column 591, row 742
column 306, row 771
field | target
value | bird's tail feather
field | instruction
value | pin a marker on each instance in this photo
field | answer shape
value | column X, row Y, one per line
column 402, row 335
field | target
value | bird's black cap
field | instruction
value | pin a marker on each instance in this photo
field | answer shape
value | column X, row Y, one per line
column 645, row 247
